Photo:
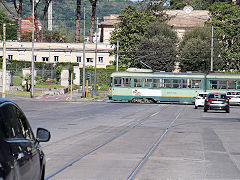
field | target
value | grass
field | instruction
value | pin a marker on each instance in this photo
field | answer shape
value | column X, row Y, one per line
column 23, row 93
column 17, row 80
column 48, row 86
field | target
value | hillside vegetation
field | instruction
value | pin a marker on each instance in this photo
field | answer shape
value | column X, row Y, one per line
column 64, row 12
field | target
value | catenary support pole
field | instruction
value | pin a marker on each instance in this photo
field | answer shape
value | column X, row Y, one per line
column 32, row 88
column 95, row 67
column 4, row 68
column 84, row 78
column 117, row 55
column 212, row 51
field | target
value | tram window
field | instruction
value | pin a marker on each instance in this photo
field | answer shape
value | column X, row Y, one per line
column 157, row 83
column 117, row 81
column 238, row 84
column 111, row 82
column 231, row 84
column 186, row 83
column 138, row 82
column 126, row 82
column 176, row 83
column 222, row 84
column 148, row 83
column 167, row 83
column 213, row 84
column 196, row 84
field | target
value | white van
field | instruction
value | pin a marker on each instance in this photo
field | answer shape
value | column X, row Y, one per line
column 234, row 97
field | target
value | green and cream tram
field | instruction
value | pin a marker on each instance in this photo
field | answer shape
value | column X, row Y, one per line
column 143, row 85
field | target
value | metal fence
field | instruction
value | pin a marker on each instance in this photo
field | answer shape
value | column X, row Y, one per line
column 47, row 74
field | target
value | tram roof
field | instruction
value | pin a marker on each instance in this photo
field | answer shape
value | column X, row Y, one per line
column 179, row 74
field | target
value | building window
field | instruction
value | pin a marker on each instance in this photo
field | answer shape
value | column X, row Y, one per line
column 100, row 59
column 89, row 60
column 35, row 58
column 10, row 56
column 45, row 59
column 56, row 58
column 79, row 59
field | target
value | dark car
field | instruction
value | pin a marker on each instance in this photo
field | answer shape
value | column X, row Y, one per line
column 216, row 101
column 21, row 156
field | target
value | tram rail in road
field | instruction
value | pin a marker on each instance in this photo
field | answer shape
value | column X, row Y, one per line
column 129, row 128
column 140, row 164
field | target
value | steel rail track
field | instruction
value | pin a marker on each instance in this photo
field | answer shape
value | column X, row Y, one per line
column 140, row 164
column 130, row 127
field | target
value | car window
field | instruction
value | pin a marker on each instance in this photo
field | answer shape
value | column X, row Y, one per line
column 14, row 123
column 217, row 96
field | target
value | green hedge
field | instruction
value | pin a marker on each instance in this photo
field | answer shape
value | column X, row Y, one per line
column 103, row 75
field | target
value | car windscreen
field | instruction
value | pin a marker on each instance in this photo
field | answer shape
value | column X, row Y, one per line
column 233, row 93
column 203, row 95
column 217, row 96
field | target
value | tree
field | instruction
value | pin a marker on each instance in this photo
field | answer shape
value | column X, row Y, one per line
column 129, row 32
column 94, row 6
column 156, row 7
column 195, row 51
column 47, row 2
column 36, row 18
column 225, row 18
column 11, row 26
column 18, row 17
column 78, row 21
column 158, row 47
column 196, row 4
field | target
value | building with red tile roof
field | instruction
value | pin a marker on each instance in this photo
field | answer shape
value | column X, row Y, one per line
column 27, row 24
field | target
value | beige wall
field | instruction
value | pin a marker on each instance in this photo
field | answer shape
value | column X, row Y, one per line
column 66, row 52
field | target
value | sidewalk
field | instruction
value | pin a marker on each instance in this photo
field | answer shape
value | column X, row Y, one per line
column 76, row 97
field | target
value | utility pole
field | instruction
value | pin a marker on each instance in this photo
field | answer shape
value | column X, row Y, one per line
column 32, row 88
column 212, row 51
column 83, row 84
column 95, row 68
column 117, row 55
column 4, row 69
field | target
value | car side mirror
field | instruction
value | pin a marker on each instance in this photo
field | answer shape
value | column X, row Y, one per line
column 43, row 135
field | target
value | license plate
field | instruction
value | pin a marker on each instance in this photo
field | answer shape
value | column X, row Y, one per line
column 217, row 102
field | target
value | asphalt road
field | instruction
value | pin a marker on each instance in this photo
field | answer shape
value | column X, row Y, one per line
column 110, row 140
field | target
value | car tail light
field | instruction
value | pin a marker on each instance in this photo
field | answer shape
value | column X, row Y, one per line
column 208, row 100
column 225, row 100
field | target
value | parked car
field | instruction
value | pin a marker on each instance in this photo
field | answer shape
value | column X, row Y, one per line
column 216, row 101
column 234, row 97
column 21, row 156
column 200, row 99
